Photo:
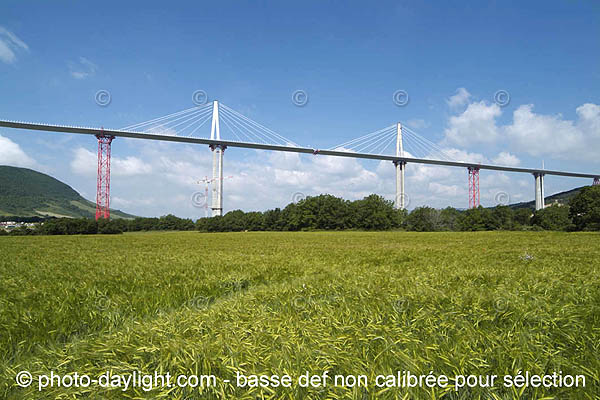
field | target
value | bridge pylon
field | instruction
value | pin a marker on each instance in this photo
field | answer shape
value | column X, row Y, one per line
column 103, row 178
column 400, row 201
column 539, row 190
column 218, row 150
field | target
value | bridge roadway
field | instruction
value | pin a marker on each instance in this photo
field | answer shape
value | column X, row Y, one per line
column 335, row 153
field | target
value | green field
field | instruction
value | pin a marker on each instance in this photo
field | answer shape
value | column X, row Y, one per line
column 286, row 303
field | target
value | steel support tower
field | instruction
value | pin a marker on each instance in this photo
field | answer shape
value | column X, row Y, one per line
column 473, row 187
column 103, row 180
column 400, row 202
column 218, row 149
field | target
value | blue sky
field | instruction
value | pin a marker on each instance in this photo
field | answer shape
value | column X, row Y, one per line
column 349, row 57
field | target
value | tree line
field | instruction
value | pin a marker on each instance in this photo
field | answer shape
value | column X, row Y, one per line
column 87, row 226
column 327, row 212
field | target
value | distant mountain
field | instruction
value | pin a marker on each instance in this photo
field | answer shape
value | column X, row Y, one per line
column 560, row 198
column 25, row 192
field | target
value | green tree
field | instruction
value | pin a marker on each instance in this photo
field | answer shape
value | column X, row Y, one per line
column 291, row 218
column 107, row 226
column 233, row 221
column 449, row 218
column 374, row 213
column 254, row 221
column 476, row 219
column 121, row 224
column 552, row 218
column 214, row 224
column 424, row 219
column 585, row 209
column 323, row 212
column 272, row 220
column 522, row 216
column 21, row 231
column 502, row 218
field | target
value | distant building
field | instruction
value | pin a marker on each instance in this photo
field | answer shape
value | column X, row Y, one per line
column 10, row 225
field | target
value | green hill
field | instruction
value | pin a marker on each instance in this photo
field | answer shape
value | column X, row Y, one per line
column 560, row 198
column 25, row 192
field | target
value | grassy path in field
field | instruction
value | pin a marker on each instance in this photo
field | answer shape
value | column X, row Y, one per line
column 350, row 303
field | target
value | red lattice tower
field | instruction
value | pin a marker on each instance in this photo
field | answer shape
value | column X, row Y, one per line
column 103, row 183
column 473, row 187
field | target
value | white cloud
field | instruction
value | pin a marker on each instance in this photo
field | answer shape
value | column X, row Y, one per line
column 85, row 163
column 476, row 125
column 12, row 154
column 465, row 156
column 460, row 99
column 531, row 133
column 129, row 166
column 417, row 123
column 9, row 45
column 82, row 69
column 425, row 173
column 446, row 190
column 539, row 134
column 506, row 159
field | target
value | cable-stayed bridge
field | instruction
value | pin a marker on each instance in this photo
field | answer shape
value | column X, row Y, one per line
column 395, row 143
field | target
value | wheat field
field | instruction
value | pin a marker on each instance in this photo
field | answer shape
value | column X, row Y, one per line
column 351, row 304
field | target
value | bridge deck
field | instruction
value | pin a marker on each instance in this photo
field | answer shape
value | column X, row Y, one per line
column 148, row 136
